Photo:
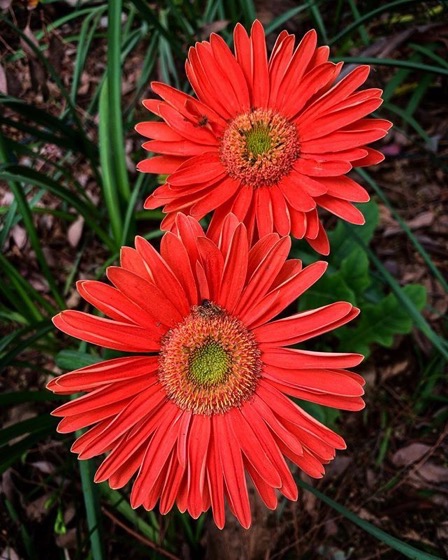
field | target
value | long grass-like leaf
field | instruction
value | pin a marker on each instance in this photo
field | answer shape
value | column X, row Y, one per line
column 394, row 543
column 120, row 504
column 110, row 188
column 93, row 510
column 28, row 426
column 41, row 329
column 407, row 304
column 84, row 208
column 23, row 208
column 381, row 194
column 397, row 63
column 113, row 110
column 25, row 299
column 390, row 7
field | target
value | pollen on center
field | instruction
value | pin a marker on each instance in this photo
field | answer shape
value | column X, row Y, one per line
column 259, row 147
column 210, row 362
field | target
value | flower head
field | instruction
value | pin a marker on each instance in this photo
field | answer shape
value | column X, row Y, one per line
column 269, row 140
column 203, row 401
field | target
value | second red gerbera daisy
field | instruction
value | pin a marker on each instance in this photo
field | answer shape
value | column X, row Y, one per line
column 269, row 140
column 202, row 402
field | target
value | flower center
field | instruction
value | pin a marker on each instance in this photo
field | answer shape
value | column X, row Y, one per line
column 259, row 147
column 258, row 141
column 210, row 362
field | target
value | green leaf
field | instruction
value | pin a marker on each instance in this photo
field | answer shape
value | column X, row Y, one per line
column 380, row 322
column 19, row 397
column 343, row 244
column 93, row 508
column 16, row 450
column 330, row 288
column 29, row 426
column 355, row 272
column 74, row 359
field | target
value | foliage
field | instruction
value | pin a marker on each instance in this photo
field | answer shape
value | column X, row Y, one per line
column 350, row 278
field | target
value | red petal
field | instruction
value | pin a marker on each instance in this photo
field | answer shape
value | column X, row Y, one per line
column 146, row 295
column 157, row 130
column 172, row 484
column 320, row 243
column 281, row 216
column 345, row 188
column 102, row 396
column 296, row 68
column 298, row 223
column 132, row 261
column 312, row 187
column 202, row 168
column 182, row 148
column 322, row 168
column 187, row 105
column 339, row 92
column 295, row 194
column 104, row 373
column 250, row 445
column 235, row 269
column 342, row 209
column 197, row 459
column 270, row 447
column 112, row 302
column 243, row 52
column 280, row 58
column 79, row 421
column 260, row 74
column 371, row 158
column 336, row 120
column 145, row 404
column 213, row 264
column 108, row 333
column 264, row 275
column 264, row 211
column 187, row 129
column 241, row 202
column 215, row 476
column 343, row 140
column 160, row 164
column 217, row 196
column 176, row 257
column 297, row 328
column 312, row 225
column 291, row 358
column 233, row 469
column 285, row 294
column 164, row 278
column 332, row 382
column 199, row 80
column 157, row 454
column 335, row 401
column 267, row 493
column 229, row 65
column 312, row 83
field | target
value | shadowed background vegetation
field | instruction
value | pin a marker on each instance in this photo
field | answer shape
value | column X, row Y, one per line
column 72, row 77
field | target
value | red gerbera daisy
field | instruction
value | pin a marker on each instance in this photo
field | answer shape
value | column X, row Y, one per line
column 268, row 140
column 205, row 400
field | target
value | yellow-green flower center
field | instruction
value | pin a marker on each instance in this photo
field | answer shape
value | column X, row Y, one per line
column 258, row 141
column 259, row 147
column 209, row 364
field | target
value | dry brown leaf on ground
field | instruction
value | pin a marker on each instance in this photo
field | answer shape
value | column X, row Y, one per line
column 410, row 454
